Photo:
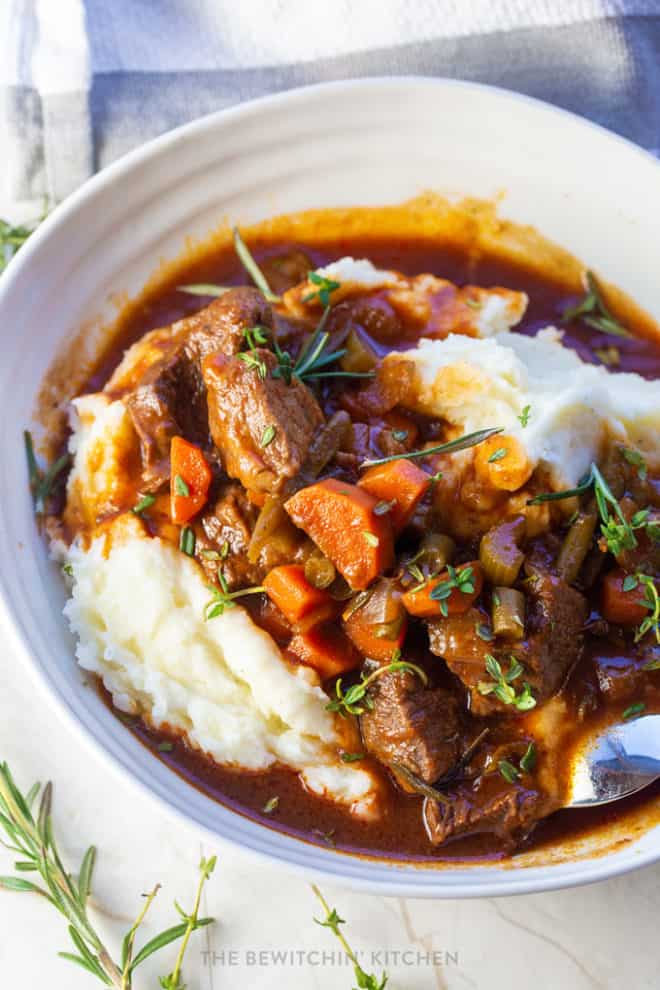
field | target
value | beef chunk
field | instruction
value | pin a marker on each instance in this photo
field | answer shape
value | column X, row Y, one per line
column 490, row 804
column 226, row 527
column 245, row 408
column 221, row 325
column 556, row 614
column 170, row 396
column 624, row 677
column 411, row 725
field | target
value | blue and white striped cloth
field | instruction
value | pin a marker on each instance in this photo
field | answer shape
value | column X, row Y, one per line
column 83, row 81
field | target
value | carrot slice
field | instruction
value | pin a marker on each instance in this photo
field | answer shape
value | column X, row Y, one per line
column 364, row 635
column 326, row 649
column 302, row 603
column 189, row 482
column 617, row 605
column 400, row 482
column 341, row 520
column 421, row 604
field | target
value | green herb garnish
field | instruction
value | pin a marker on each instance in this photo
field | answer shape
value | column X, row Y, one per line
column 635, row 458
column 351, row 757
column 510, row 773
column 324, row 288
column 254, row 361
column 524, row 416
column 31, row 837
column 181, row 486
column 528, row 759
column 365, row 981
column 633, row 710
column 502, row 684
column 400, row 435
column 484, row 632
column 187, row 541
column 268, row 435
column 314, row 358
column 461, row 443
column 223, row 599
column 355, row 701
column 593, row 311
column 271, row 805
column 371, row 538
column 460, row 580
column 43, row 484
column 252, row 268
column 498, row 454
column 651, row 602
column 144, row 502
column 14, row 236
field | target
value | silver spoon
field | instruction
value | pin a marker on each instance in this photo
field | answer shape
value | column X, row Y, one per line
column 621, row 760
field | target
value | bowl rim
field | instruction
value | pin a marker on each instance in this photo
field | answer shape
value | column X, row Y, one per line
column 333, row 866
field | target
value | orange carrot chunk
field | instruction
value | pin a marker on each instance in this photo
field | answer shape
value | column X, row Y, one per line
column 399, row 482
column 341, row 520
column 301, row 603
column 189, row 482
column 460, row 587
column 619, row 606
column 326, row 649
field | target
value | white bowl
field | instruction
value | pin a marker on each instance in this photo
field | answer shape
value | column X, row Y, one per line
column 367, row 142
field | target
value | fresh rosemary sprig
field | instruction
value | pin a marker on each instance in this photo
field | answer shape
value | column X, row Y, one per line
column 366, row 981
column 30, row 836
column 43, row 484
column 252, row 268
column 314, row 358
column 593, row 311
column 356, row 700
column 618, row 531
column 223, row 599
column 502, row 684
column 460, row 443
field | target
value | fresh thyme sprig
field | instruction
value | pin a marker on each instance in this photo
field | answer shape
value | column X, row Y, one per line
column 502, row 684
column 460, row 580
column 356, row 700
column 43, row 484
column 252, row 268
column 223, row 599
column 650, row 601
column 30, row 836
column 451, row 447
column 324, row 288
column 365, row 981
column 593, row 311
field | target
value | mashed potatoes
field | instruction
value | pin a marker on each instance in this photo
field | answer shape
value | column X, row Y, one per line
column 137, row 610
column 573, row 409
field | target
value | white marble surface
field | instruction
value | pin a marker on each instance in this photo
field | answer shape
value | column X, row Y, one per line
column 599, row 936
column 603, row 936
